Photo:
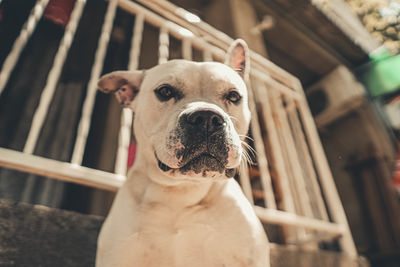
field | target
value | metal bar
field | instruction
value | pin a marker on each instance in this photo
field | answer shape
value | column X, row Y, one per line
column 53, row 77
column 84, row 123
column 19, row 44
column 63, row 171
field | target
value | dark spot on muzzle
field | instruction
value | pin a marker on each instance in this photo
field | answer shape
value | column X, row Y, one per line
column 204, row 138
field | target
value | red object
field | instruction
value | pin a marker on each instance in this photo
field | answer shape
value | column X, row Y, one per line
column 59, row 11
column 131, row 154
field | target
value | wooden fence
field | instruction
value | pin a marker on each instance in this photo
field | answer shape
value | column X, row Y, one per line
column 290, row 183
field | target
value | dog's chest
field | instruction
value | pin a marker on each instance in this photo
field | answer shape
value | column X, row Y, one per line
column 182, row 238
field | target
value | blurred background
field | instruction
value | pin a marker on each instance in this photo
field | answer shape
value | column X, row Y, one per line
column 345, row 54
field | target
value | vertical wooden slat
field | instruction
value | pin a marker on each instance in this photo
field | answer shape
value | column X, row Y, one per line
column 326, row 179
column 282, row 181
column 289, row 168
column 136, row 42
column 245, row 182
column 207, row 55
column 262, row 95
column 293, row 161
column 265, row 177
column 124, row 137
column 163, row 49
column 293, row 236
column 187, row 49
column 19, row 44
column 53, row 77
column 306, row 162
column 125, row 131
column 84, row 123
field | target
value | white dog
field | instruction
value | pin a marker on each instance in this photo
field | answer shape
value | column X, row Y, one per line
column 179, row 206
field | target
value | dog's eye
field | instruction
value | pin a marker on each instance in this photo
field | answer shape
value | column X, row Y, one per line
column 233, row 97
column 165, row 93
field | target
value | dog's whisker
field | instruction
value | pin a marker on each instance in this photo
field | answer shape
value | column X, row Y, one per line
column 246, row 137
column 248, row 152
column 249, row 160
column 233, row 118
column 246, row 158
column 250, row 148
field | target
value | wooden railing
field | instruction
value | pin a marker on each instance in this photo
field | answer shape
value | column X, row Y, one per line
column 297, row 188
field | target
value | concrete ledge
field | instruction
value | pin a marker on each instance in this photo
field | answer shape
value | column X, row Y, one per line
column 283, row 256
column 32, row 235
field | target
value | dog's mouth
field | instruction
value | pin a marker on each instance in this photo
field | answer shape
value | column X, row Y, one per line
column 201, row 164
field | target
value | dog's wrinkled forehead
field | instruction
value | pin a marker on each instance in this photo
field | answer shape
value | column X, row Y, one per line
column 204, row 76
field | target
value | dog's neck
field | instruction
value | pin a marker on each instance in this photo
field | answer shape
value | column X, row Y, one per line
column 179, row 195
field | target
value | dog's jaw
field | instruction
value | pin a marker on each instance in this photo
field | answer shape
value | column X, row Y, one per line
column 204, row 165
column 199, row 161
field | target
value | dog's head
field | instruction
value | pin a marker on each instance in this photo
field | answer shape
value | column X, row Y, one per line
column 190, row 118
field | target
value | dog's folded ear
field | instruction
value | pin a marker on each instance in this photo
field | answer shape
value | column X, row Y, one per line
column 238, row 58
column 124, row 84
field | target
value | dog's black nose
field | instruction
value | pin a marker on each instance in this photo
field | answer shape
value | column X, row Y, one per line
column 206, row 120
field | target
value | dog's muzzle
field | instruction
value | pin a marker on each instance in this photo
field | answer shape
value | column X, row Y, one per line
column 205, row 145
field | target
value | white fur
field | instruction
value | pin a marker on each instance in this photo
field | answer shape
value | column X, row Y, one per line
column 169, row 219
